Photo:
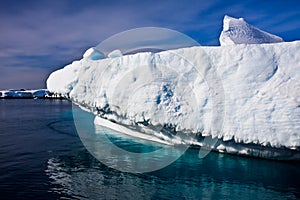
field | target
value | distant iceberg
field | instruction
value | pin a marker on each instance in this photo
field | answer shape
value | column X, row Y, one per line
column 27, row 94
column 260, row 81
column 22, row 93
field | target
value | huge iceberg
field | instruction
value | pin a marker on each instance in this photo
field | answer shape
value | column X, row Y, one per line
column 177, row 91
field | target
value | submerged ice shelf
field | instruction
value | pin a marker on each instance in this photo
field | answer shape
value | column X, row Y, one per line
column 174, row 92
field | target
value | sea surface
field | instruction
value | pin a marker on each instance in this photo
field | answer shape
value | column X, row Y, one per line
column 42, row 157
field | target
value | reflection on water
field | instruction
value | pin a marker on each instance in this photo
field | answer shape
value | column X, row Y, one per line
column 215, row 177
column 95, row 183
column 42, row 157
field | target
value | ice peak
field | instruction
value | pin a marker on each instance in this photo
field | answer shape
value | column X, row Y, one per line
column 93, row 54
column 227, row 19
column 238, row 31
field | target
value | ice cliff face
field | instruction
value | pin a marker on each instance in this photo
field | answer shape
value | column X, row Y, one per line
column 261, row 88
column 237, row 31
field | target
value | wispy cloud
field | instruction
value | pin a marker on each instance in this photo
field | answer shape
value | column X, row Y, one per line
column 46, row 34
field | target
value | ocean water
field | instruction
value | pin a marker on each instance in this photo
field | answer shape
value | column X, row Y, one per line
column 42, row 157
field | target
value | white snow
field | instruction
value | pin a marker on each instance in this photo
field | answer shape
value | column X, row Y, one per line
column 237, row 31
column 64, row 82
column 115, row 53
column 93, row 54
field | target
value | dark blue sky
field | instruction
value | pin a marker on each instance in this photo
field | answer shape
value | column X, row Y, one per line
column 39, row 36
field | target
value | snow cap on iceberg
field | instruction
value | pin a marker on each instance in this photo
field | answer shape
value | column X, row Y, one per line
column 115, row 53
column 238, row 31
column 93, row 54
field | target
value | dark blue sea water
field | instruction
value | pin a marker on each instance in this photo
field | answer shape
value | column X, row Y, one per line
column 42, row 157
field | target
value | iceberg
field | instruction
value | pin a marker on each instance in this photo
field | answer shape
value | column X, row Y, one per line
column 261, row 87
column 29, row 94
column 238, row 31
column 172, row 92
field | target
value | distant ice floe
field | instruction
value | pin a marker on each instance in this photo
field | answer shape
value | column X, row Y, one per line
column 28, row 94
column 22, row 93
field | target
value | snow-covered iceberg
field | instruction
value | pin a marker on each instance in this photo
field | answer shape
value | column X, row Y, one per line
column 256, row 85
column 238, row 31
column 261, row 88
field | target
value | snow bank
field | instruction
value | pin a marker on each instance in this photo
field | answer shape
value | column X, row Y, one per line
column 260, row 81
column 237, row 31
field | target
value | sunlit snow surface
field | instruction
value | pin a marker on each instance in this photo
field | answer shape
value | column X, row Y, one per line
column 238, row 31
column 260, row 81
